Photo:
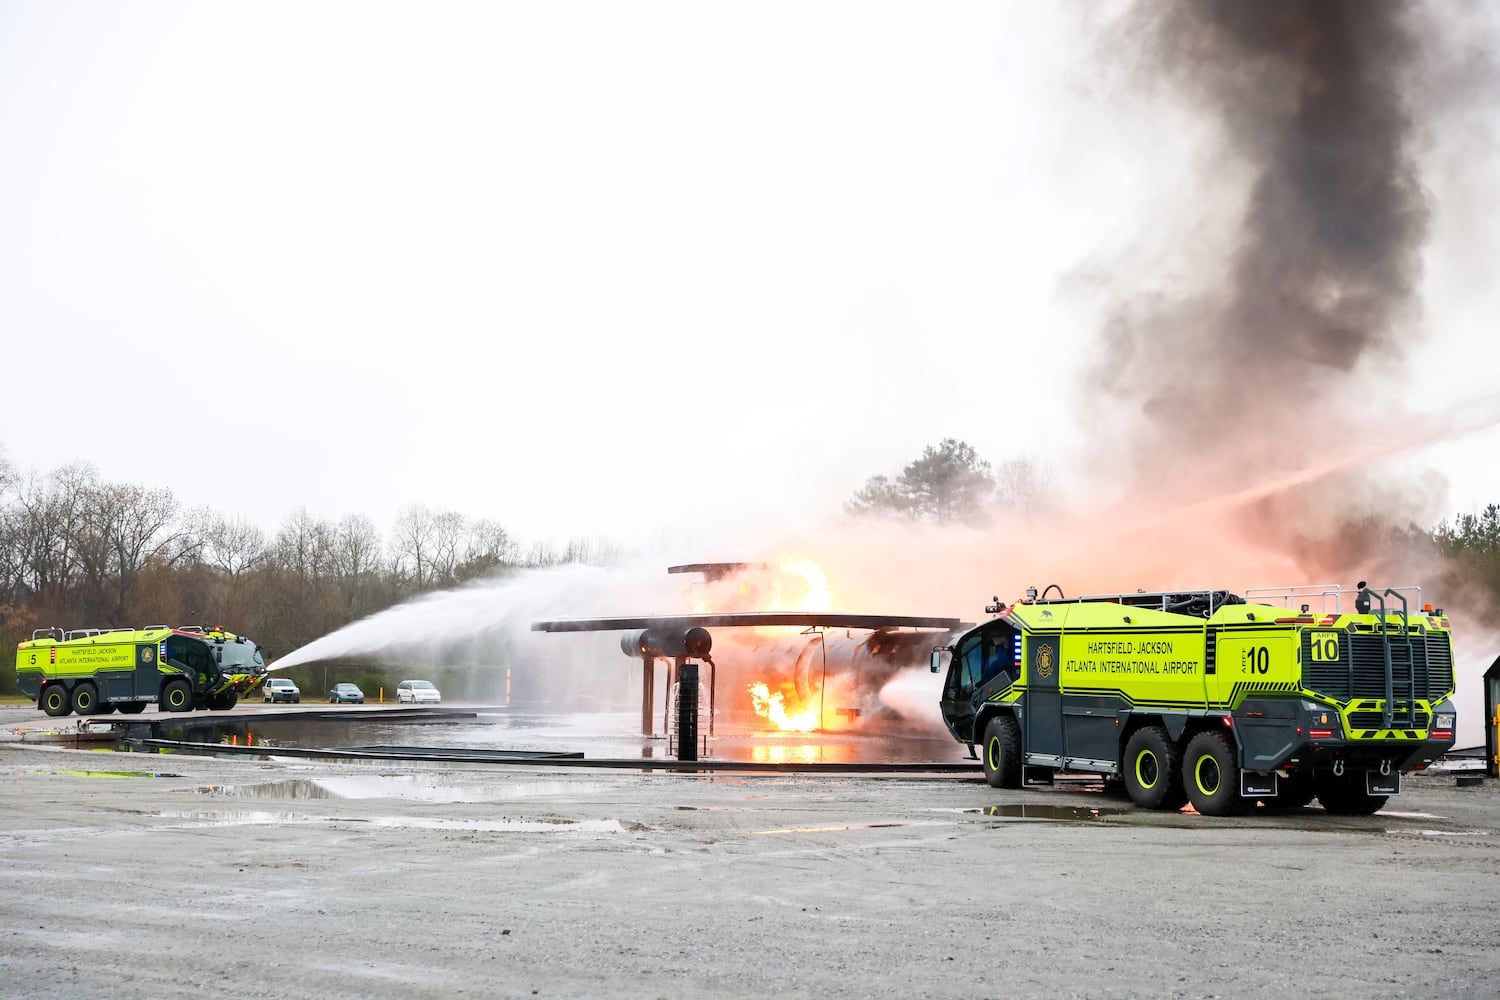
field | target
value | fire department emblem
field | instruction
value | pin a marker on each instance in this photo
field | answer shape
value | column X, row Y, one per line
column 1044, row 661
column 148, row 653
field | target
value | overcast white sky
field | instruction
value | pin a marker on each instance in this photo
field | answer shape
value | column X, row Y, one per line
column 629, row 270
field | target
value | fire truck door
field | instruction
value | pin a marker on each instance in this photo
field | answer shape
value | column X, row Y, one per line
column 147, row 674
column 1043, row 719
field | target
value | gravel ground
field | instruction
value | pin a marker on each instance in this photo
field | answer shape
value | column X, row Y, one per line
column 288, row 878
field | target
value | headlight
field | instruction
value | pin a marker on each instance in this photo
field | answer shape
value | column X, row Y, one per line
column 1443, row 720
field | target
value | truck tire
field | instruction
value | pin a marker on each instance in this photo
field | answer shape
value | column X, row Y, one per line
column 1210, row 773
column 177, row 696
column 1153, row 769
column 85, row 698
column 1002, row 752
column 223, row 702
column 55, row 701
column 1345, row 795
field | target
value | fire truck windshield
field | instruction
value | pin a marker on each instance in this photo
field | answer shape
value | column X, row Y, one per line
column 243, row 653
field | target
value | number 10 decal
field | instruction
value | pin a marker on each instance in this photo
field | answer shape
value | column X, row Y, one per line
column 1325, row 647
column 1257, row 660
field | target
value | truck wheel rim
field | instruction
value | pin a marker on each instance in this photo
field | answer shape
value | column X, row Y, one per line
column 1207, row 775
column 1146, row 769
column 994, row 755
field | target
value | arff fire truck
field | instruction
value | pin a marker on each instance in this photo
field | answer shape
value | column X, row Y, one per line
column 96, row 671
column 1207, row 696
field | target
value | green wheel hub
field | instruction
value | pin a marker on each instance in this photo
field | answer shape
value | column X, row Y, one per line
column 1206, row 774
column 1147, row 769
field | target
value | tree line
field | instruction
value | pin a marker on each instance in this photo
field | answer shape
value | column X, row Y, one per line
column 78, row 551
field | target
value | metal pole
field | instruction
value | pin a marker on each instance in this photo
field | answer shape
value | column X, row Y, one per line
column 823, row 684
column 648, row 679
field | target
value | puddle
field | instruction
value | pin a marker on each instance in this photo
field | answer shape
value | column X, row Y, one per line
column 116, row 774
column 503, row 825
column 201, row 818
column 1020, row 812
column 436, row 788
column 206, row 818
column 1443, row 833
column 846, row 826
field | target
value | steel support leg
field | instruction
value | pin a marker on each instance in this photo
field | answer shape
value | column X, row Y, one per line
column 648, row 699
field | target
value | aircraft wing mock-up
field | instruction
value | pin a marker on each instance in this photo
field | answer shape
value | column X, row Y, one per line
column 730, row 619
column 676, row 638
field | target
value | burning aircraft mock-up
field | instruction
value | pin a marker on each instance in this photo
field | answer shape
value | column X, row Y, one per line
column 864, row 661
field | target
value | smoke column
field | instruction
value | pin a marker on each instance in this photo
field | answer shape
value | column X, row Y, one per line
column 1320, row 280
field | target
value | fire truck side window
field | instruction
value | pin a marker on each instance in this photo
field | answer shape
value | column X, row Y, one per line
column 190, row 653
column 999, row 654
column 964, row 674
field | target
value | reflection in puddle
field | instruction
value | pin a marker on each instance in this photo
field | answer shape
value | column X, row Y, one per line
column 503, row 825
column 407, row 787
column 1023, row 812
column 236, row 818
column 116, row 774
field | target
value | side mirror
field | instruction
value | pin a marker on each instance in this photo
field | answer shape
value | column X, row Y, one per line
column 937, row 658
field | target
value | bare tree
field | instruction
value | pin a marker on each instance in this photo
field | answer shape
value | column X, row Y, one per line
column 234, row 546
column 448, row 530
column 123, row 529
column 412, row 547
column 1023, row 486
column 303, row 546
column 49, row 518
column 356, row 564
column 488, row 550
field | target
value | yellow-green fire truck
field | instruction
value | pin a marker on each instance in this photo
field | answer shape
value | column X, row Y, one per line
column 96, row 671
column 1206, row 696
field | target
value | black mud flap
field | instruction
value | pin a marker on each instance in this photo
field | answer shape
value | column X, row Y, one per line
column 1033, row 775
column 1255, row 785
column 1382, row 784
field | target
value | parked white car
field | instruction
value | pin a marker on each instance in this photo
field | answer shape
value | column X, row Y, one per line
column 282, row 689
column 418, row 692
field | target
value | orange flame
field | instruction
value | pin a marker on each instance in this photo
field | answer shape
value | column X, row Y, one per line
column 800, row 586
column 773, row 707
